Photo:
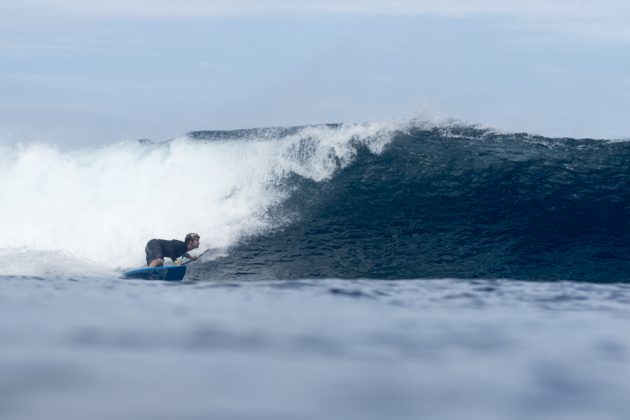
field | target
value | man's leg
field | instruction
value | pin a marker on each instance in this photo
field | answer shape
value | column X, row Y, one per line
column 155, row 257
column 158, row 262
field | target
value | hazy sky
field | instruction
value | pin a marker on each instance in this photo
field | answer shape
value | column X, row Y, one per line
column 81, row 72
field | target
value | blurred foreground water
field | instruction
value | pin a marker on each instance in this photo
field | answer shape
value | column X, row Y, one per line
column 105, row 348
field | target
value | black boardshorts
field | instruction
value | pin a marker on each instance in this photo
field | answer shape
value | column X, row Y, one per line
column 154, row 251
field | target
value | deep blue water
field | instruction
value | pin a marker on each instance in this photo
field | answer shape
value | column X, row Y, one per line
column 456, row 202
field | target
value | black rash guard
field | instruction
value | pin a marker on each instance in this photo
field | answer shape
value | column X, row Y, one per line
column 161, row 248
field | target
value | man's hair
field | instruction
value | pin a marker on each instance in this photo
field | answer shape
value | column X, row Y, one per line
column 191, row 237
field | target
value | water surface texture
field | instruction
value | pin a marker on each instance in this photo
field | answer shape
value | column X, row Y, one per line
column 356, row 271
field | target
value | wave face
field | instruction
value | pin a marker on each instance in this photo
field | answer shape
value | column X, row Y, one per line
column 386, row 201
column 456, row 202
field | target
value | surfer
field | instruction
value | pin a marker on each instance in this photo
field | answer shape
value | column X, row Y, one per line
column 158, row 249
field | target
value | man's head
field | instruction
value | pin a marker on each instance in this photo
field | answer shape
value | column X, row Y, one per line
column 192, row 241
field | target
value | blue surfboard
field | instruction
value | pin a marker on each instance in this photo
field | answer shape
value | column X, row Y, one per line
column 168, row 273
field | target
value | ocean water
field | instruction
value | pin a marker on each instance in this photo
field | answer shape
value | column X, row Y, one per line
column 356, row 271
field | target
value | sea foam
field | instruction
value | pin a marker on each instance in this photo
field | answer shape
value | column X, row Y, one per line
column 97, row 207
